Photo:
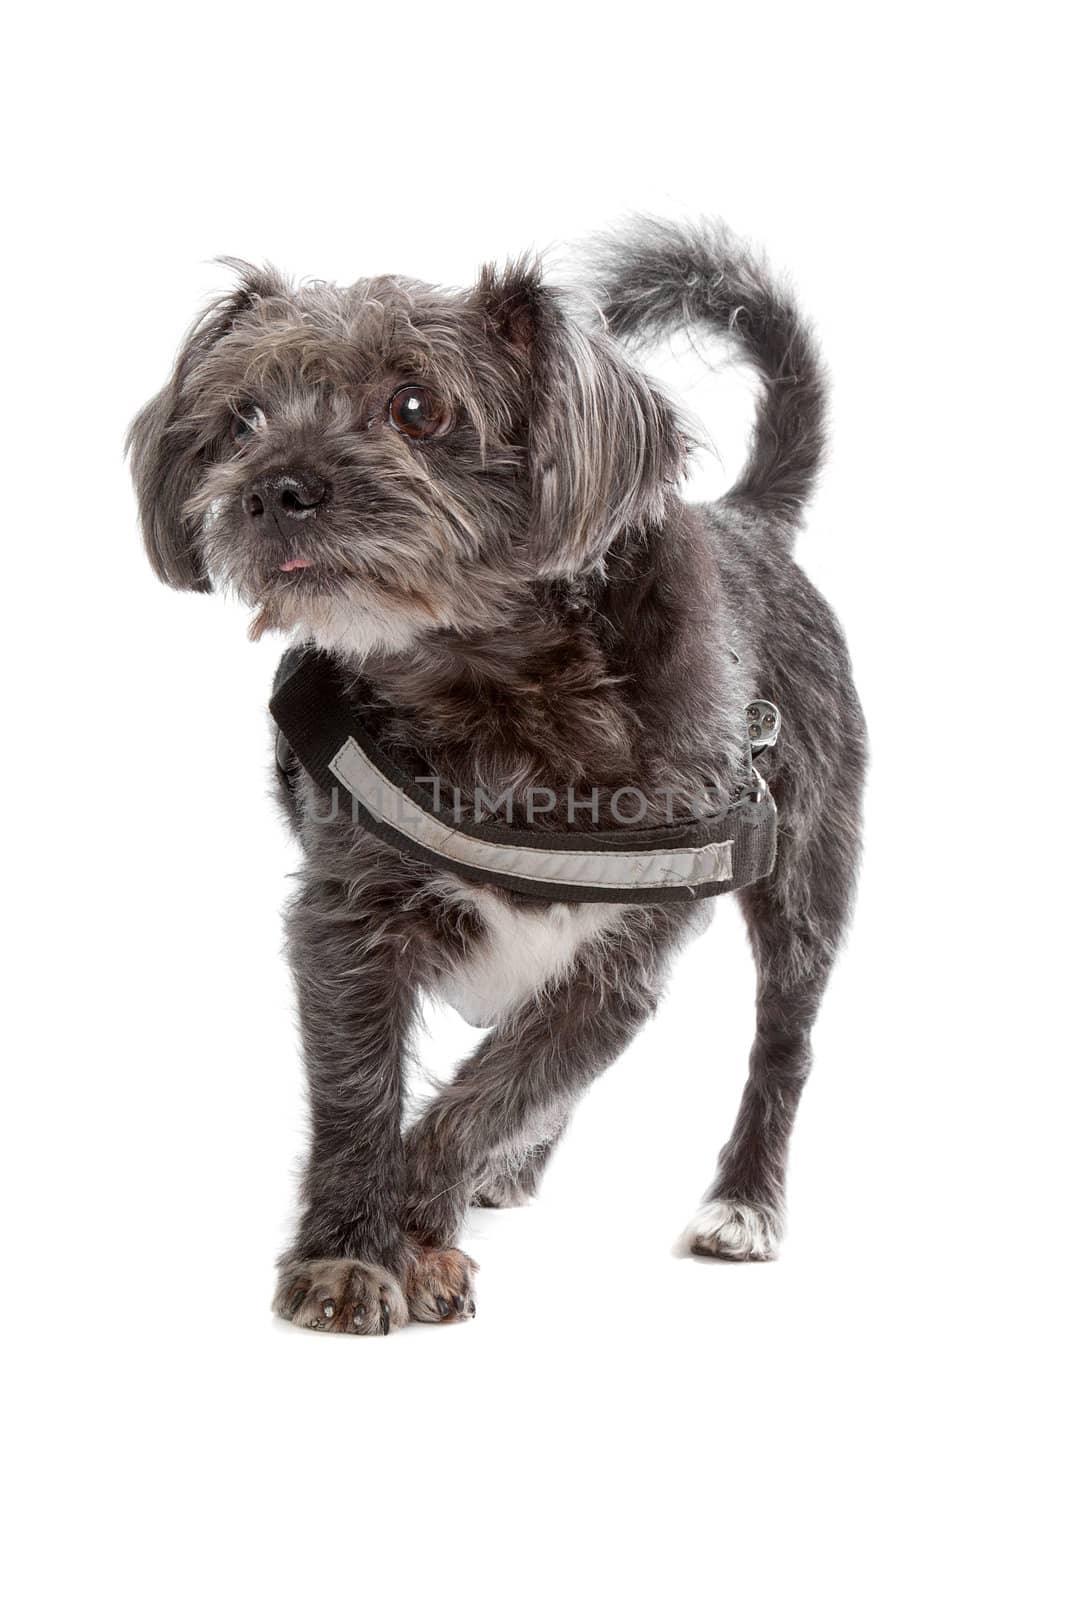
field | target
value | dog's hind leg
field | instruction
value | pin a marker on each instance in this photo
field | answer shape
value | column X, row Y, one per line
column 795, row 922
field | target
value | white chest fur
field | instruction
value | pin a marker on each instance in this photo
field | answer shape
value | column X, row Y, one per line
column 521, row 952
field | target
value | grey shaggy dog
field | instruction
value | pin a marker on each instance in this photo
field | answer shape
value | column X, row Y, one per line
column 470, row 499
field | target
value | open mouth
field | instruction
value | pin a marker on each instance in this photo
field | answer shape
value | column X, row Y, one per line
column 295, row 576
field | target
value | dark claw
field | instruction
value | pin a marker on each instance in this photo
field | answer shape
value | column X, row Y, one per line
column 457, row 1302
column 442, row 1305
column 296, row 1300
column 385, row 1316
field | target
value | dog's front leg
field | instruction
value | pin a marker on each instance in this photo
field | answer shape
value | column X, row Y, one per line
column 518, row 1086
column 354, row 967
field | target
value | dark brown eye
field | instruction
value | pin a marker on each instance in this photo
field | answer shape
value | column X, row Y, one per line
column 246, row 419
column 418, row 412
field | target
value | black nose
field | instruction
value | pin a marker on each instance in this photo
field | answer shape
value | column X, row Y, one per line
column 285, row 494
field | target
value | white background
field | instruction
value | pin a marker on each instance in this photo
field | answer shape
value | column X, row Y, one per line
column 877, row 1413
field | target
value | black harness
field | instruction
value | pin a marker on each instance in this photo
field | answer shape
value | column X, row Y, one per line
column 320, row 728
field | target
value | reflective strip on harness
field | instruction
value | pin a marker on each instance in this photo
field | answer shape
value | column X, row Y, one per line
column 318, row 711
column 679, row 867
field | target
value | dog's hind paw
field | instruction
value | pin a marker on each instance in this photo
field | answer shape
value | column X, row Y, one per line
column 733, row 1231
column 337, row 1295
column 440, row 1285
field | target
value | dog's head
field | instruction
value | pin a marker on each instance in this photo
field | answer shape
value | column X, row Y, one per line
column 370, row 463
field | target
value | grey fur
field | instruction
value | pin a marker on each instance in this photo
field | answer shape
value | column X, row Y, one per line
column 529, row 604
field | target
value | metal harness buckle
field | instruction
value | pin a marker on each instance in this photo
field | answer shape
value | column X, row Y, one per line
column 764, row 725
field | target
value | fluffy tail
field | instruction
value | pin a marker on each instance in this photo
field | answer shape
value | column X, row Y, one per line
column 659, row 276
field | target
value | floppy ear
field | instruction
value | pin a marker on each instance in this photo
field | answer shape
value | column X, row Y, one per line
column 167, row 457
column 604, row 445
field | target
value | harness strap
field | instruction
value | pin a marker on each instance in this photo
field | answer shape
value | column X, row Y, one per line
column 320, row 723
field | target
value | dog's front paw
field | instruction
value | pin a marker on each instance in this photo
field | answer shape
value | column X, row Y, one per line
column 498, row 1191
column 337, row 1295
column 734, row 1231
column 440, row 1286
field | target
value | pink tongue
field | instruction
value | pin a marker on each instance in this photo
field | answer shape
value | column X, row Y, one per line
column 294, row 565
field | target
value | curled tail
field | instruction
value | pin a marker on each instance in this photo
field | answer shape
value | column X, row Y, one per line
column 660, row 276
